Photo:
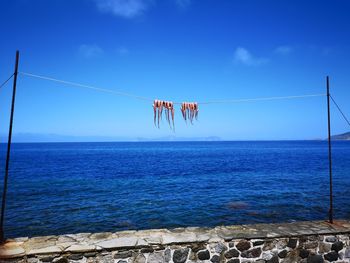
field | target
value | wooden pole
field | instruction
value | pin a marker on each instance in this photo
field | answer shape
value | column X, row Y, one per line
column 330, row 157
column 2, row 234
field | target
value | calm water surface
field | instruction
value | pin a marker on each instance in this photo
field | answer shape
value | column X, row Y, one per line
column 57, row 188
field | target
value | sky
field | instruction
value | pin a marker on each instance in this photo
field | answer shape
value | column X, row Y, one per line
column 176, row 50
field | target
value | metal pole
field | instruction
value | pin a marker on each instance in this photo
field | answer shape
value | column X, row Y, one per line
column 2, row 236
column 330, row 157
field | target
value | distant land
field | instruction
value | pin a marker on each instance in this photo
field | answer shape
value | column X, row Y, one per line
column 36, row 138
column 342, row 137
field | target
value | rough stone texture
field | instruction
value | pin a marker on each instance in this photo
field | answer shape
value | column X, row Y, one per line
column 180, row 255
column 232, row 253
column 303, row 253
column 215, row 259
column 251, row 253
column 337, row 246
column 203, row 255
column 292, row 243
column 305, row 242
column 331, row 256
column 315, row 259
column 157, row 257
column 274, row 259
column 283, row 253
column 243, row 245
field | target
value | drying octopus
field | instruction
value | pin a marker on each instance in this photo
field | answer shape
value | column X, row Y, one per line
column 189, row 111
column 168, row 106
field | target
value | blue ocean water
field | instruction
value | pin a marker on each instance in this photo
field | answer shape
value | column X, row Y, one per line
column 57, row 188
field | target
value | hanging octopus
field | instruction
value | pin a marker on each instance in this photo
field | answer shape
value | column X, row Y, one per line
column 189, row 111
column 158, row 106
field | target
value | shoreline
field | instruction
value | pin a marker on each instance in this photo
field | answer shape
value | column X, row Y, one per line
column 314, row 241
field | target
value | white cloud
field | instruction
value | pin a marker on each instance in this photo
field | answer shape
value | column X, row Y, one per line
column 243, row 56
column 90, row 51
column 183, row 3
column 124, row 8
column 283, row 50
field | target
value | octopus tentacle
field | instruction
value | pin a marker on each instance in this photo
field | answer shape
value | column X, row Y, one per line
column 155, row 112
column 172, row 117
column 168, row 112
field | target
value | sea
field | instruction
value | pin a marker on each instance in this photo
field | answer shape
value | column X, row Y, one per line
column 59, row 188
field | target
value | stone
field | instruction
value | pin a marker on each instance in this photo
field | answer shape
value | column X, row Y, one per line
column 11, row 250
column 140, row 258
column 180, row 255
column 236, row 260
column 315, row 259
column 347, row 252
column 90, row 254
column 167, row 255
column 203, row 255
column 251, row 253
column 122, row 261
column 215, row 259
column 324, row 247
column 147, row 250
column 47, row 259
column 179, row 238
column 258, row 243
column 220, row 247
column 197, row 247
column 331, row 256
column 266, row 255
column 232, row 253
column 142, row 243
column 311, row 245
column 101, row 235
column 121, row 242
column 274, row 259
column 122, row 254
column 283, row 253
column 303, row 253
column 282, row 243
column 105, row 259
column 243, row 245
column 36, row 260
column 337, row 246
column 292, row 243
column 231, row 244
column 291, row 257
column 331, row 239
column 80, row 248
column 157, row 257
column 269, row 245
column 45, row 250
column 60, row 260
column 75, row 256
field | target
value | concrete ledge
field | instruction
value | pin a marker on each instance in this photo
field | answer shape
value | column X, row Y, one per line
column 146, row 241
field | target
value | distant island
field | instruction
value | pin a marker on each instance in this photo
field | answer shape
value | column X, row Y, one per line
column 343, row 136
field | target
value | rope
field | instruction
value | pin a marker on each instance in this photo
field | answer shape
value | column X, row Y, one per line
column 346, row 119
column 149, row 99
column 87, row 86
column 263, row 99
column 4, row 83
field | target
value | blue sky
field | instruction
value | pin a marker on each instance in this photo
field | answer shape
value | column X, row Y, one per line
column 180, row 50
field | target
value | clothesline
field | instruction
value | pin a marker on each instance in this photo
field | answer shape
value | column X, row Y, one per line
column 121, row 93
column 4, row 83
column 341, row 112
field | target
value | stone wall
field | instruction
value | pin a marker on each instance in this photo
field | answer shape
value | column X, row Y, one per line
column 309, row 242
